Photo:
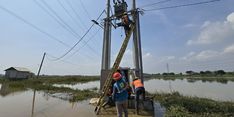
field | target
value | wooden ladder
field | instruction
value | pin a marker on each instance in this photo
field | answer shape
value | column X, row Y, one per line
column 114, row 68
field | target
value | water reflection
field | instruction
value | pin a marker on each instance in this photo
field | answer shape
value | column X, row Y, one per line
column 213, row 90
column 81, row 86
column 6, row 89
column 24, row 105
column 33, row 103
column 207, row 89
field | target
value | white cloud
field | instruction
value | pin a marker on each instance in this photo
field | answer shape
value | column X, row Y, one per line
column 229, row 49
column 207, row 54
column 205, row 24
column 213, row 32
column 201, row 56
column 147, row 55
column 189, row 25
column 188, row 56
column 230, row 17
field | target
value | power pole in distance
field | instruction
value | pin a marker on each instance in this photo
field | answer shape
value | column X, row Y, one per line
column 38, row 73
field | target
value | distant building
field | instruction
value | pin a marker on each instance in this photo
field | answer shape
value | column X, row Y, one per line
column 18, row 73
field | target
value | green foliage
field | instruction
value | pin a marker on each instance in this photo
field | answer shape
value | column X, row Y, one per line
column 177, row 111
column 46, row 84
column 186, row 106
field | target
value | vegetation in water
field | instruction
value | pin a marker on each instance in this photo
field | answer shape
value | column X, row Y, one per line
column 219, row 76
column 183, row 106
column 46, row 84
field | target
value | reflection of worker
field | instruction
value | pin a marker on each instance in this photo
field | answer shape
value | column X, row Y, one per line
column 120, row 94
column 125, row 22
column 139, row 90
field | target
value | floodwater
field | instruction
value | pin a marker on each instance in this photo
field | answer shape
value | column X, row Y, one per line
column 20, row 103
column 212, row 90
column 81, row 86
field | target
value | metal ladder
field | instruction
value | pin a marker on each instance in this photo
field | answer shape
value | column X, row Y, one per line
column 114, row 68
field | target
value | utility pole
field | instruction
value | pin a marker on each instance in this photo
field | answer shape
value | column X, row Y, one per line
column 168, row 68
column 106, row 52
column 41, row 65
column 137, row 52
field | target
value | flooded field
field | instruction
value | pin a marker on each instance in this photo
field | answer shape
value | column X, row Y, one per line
column 44, row 106
column 212, row 90
column 51, row 105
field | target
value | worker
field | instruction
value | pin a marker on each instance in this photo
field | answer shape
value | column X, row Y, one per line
column 123, row 74
column 118, row 1
column 125, row 22
column 139, row 90
column 120, row 94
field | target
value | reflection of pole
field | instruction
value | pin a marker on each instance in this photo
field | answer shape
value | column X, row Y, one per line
column 168, row 71
column 41, row 65
column 33, row 102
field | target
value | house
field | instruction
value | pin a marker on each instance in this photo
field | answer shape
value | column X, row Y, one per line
column 18, row 73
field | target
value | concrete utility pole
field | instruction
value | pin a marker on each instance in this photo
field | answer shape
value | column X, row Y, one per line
column 41, row 65
column 137, row 52
column 106, row 52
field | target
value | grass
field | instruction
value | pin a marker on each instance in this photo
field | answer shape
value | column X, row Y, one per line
column 184, row 106
column 46, row 84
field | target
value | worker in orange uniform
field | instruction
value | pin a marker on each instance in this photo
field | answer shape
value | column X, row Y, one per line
column 139, row 90
column 125, row 22
column 120, row 95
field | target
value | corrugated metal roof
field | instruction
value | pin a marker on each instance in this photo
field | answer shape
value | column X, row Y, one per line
column 19, row 69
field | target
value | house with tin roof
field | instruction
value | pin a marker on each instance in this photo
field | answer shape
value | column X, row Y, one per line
column 18, row 73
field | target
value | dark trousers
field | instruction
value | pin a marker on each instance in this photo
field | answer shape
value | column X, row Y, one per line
column 139, row 91
column 122, row 107
column 126, row 26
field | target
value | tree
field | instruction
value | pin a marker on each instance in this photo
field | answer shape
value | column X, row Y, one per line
column 189, row 72
column 208, row 72
column 220, row 72
column 202, row 72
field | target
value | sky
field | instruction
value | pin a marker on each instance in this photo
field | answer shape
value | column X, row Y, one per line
column 197, row 38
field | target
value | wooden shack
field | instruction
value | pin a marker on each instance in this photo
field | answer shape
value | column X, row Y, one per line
column 18, row 73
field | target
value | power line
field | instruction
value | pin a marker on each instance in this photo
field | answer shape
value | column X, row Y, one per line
column 156, row 3
column 68, row 26
column 70, row 30
column 60, row 3
column 183, row 5
column 51, row 58
column 83, row 6
column 78, row 40
column 33, row 26
column 77, row 15
column 57, row 20
column 85, row 44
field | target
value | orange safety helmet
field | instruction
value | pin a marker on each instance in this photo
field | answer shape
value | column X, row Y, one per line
column 117, row 76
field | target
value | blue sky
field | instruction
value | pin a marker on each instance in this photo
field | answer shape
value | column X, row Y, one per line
column 188, row 38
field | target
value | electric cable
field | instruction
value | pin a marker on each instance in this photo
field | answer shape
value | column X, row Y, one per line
column 77, row 15
column 32, row 25
column 69, row 14
column 156, row 3
column 84, row 44
column 182, row 5
column 78, row 40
